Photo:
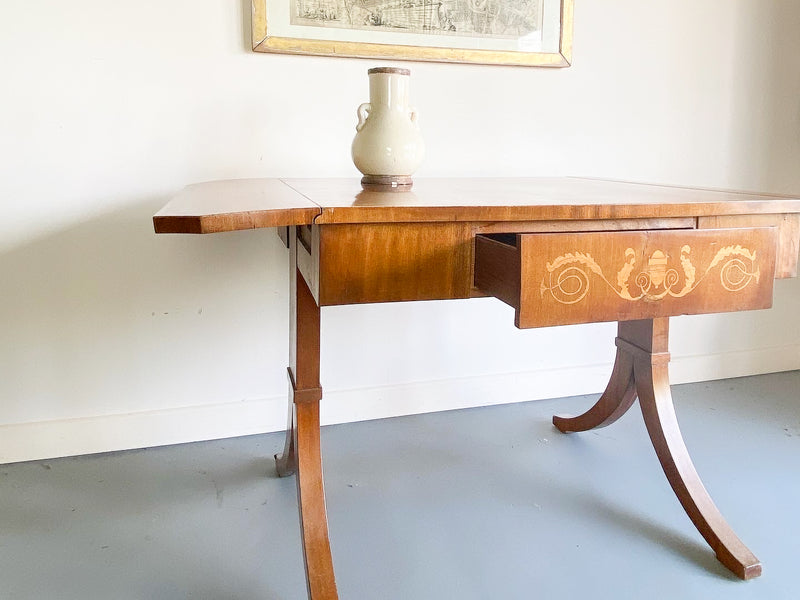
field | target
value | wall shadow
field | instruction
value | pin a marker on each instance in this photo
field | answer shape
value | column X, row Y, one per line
column 766, row 96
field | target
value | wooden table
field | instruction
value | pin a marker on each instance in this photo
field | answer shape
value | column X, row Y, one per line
column 558, row 250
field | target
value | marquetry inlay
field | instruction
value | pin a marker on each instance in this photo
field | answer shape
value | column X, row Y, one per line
column 568, row 276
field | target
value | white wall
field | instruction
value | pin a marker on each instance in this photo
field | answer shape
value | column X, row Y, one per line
column 115, row 338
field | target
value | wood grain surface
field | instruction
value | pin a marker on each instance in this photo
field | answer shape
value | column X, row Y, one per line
column 788, row 226
column 232, row 205
column 394, row 262
column 250, row 203
column 567, row 278
column 527, row 199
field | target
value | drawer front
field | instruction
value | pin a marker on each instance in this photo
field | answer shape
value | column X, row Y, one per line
column 559, row 279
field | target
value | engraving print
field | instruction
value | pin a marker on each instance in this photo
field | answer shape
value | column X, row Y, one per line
column 568, row 276
column 476, row 18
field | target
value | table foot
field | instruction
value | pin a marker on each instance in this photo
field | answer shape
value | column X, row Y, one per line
column 641, row 369
column 616, row 400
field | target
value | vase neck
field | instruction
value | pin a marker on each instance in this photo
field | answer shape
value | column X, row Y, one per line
column 389, row 89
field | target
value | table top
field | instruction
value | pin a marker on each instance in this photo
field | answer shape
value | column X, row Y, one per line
column 253, row 203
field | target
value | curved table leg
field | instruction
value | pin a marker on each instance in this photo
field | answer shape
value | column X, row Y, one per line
column 641, row 369
column 302, row 448
column 655, row 399
column 616, row 400
column 320, row 578
column 286, row 462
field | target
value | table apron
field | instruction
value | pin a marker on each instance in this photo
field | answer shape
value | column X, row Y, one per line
column 395, row 262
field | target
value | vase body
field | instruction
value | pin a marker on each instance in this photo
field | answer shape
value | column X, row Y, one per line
column 388, row 143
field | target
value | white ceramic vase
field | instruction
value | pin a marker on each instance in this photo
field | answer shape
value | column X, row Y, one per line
column 388, row 146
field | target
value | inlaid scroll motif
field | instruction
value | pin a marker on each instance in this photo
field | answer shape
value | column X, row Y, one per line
column 569, row 276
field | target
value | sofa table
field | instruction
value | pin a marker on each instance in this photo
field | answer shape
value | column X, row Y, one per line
column 559, row 250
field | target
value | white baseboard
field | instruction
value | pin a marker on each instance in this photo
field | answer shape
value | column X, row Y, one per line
column 70, row 437
column 108, row 433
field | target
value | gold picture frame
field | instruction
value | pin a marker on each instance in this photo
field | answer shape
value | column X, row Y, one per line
column 419, row 30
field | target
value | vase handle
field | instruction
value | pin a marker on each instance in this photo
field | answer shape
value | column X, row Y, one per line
column 363, row 113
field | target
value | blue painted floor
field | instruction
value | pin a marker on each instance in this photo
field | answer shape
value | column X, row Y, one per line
column 489, row 503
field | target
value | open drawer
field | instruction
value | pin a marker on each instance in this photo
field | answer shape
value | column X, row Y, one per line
column 564, row 278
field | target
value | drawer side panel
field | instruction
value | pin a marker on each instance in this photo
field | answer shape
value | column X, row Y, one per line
column 497, row 270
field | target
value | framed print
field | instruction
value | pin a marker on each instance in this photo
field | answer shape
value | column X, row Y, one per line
column 535, row 33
